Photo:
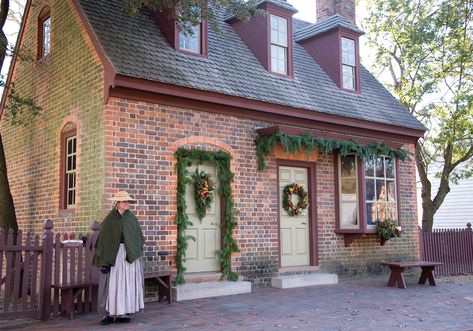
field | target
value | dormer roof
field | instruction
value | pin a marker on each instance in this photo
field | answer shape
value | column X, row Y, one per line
column 137, row 48
column 278, row 3
column 330, row 23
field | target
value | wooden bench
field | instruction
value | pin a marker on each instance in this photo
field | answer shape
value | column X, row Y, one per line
column 164, row 283
column 397, row 268
column 71, row 291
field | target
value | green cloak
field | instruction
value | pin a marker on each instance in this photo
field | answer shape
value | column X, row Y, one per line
column 108, row 241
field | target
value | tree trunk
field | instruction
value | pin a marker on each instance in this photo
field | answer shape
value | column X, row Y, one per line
column 7, row 208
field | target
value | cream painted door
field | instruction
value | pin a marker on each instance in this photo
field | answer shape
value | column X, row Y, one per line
column 294, row 231
column 201, row 253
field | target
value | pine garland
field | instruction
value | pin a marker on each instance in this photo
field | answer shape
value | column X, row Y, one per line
column 221, row 160
column 294, row 144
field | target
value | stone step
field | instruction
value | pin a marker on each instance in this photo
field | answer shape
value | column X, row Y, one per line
column 317, row 278
column 297, row 270
column 202, row 277
column 192, row 291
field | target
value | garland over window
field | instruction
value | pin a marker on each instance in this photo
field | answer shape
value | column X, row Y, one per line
column 221, row 160
column 295, row 144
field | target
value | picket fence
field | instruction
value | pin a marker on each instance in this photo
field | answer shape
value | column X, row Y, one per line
column 33, row 270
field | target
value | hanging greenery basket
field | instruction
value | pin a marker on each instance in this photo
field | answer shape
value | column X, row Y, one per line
column 203, row 192
column 387, row 229
column 295, row 144
column 221, row 160
column 289, row 207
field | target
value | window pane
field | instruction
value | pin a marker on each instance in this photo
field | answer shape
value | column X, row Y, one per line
column 389, row 168
column 369, row 189
column 369, row 167
column 73, row 162
column 46, row 36
column 348, row 168
column 282, row 25
column 69, row 146
column 379, row 167
column 348, row 214
column 391, row 211
column 391, row 191
column 274, row 22
column 69, row 163
column 70, row 181
column 274, row 37
column 282, row 40
column 370, row 214
column 380, row 190
column 348, row 77
column 349, row 186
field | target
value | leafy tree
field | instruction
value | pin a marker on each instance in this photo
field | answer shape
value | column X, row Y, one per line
column 427, row 47
column 20, row 110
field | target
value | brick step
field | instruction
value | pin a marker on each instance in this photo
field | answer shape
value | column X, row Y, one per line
column 190, row 291
column 316, row 278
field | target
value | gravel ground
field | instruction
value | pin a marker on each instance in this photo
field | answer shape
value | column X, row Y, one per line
column 460, row 280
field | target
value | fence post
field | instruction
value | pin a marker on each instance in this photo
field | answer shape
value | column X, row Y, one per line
column 468, row 226
column 94, row 232
column 46, row 270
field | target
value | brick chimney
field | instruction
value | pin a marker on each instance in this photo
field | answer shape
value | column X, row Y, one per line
column 326, row 8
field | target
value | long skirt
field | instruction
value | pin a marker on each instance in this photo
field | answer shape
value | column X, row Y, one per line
column 125, row 286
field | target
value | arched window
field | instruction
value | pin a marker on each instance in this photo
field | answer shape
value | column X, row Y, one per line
column 68, row 166
column 44, row 32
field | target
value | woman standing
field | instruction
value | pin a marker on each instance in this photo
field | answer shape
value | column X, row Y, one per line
column 118, row 250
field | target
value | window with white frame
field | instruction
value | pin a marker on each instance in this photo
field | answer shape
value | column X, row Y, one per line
column 348, row 188
column 279, row 44
column 377, row 177
column 348, row 64
column 70, row 171
column 380, row 196
column 191, row 42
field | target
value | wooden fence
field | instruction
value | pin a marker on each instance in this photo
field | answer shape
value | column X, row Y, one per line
column 35, row 274
column 452, row 247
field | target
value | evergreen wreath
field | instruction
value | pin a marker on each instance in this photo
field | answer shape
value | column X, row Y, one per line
column 295, row 144
column 221, row 160
column 288, row 192
column 203, row 192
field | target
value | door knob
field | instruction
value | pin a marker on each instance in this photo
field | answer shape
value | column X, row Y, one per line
column 304, row 223
column 214, row 223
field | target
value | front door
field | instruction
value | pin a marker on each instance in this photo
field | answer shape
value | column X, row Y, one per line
column 294, row 230
column 201, row 254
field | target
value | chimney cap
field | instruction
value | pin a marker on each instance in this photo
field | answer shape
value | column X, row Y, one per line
column 327, row 24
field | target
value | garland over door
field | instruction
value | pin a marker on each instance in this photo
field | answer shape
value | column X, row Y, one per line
column 294, row 230
column 201, row 254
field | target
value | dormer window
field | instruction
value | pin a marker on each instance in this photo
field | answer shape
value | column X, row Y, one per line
column 279, row 44
column 192, row 41
column 348, row 64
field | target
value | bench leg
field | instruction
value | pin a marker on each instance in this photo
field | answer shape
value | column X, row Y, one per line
column 396, row 277
column 164, row 288
column 427, row 275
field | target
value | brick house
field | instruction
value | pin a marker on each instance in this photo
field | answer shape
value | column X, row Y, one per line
column 120, row 95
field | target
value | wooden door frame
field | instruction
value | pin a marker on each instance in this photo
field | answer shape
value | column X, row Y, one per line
column 312, row 190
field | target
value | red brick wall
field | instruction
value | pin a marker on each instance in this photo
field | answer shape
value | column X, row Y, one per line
column 66, row 90
column 140, row 141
